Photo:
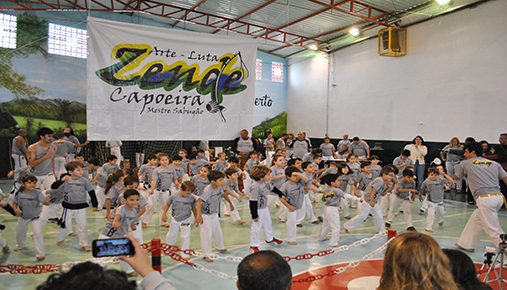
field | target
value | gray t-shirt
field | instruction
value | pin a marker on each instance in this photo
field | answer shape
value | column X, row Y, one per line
column 178, row 172
column 300, row 148
column 259, row 193
column 360, row 148
column 196, row 168
column 309, row 182
column 356, row 169
column 184, row 165
column 450, row 156
column 375, row 171
column 482, row 175
column 294, row 193
column 76, row 190
column 55, row 195
column 269, row 142
column 28, row 203
column 64, row 147
column 403, row 185
column 108, row 168
column 308, row 157
column 275, row 171
column 46, row 166
column 231, row 185
column 127, row 217
column 434, row 189
column 114, row 193
column 332, row 196
column 101, row 180
column 200, row 184
column 343, row 144
column 346, row 179
column 146, row 171
column 327, row 149
column 363, row 180
column 379, row 186
column 181, row 206
column 220, row 166
column 250, row 163
column 399, row 161
column 164, row 177
column 244, row 145
column 74, row 140
column 211, row 199
column 330, row 170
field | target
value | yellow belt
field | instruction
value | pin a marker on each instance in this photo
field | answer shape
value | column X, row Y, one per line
column 498, row 194
column 490, row 195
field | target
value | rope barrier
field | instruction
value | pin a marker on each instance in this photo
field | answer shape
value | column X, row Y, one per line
column 156, row 248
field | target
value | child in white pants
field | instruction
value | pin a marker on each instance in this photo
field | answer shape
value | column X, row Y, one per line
column 261, row 218
column 207, row 214
column 405, row 186
column 183, row 205
column 373, row 191
column 433, row 186
column 307, row 209
column 27, row 207
column 232, row 189
column 332, row 197
column 293, row 191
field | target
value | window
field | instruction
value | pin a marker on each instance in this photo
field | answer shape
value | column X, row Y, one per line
column 65, row 40
column 7, row 31
column 277, row 72
column 258, row 69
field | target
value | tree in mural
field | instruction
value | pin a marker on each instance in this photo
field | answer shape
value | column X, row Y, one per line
column 31, row 38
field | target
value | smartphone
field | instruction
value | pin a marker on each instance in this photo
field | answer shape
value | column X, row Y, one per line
column 112, row 247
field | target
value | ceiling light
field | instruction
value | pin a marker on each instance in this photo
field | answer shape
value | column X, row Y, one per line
column 354, row 31
column 442, row 2
column 313, row 47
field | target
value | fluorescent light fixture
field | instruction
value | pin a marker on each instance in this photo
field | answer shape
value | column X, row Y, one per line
column 442, row 2
column 313, row 47
column 354, row 31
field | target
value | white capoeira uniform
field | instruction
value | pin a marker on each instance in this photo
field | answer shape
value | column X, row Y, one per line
column 211, row 224
column 17, row 154
column 259, row 194
column 364, row 207
column 29, row 204
column 482, row 176
column 181, row 220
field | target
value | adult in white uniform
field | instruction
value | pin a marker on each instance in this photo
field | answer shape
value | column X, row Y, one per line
column 115, row 147
column 482, row 176
column 19, row 147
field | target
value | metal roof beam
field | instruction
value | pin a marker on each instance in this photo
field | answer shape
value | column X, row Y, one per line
column 355, row 12
column 193, row 9
column 249, row 12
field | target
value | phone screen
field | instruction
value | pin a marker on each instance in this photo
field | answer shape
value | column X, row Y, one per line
column 113, row 247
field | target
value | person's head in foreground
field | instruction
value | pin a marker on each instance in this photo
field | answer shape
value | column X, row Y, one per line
column 264, row 270
column 415, row 261
column 463, row 270
column 90, row 276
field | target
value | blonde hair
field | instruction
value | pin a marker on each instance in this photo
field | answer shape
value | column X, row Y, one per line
column 415, row 261
column 454, row 138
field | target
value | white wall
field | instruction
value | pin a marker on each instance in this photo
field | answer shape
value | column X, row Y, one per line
column 453, row 80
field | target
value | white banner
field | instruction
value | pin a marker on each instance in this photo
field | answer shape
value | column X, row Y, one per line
column 151, row 83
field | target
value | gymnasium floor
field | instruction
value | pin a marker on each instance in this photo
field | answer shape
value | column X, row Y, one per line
column 236, row 239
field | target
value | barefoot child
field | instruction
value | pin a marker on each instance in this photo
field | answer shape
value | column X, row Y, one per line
column 370, row 202
column 402, row 196
column 231, row 188
column 433, row 186
column 183, row 205
column 207, row 214
column 74, row 203
column 123, row 218
column 293, row 191
column 27, row 207
column 332, row 197
column 261, row 176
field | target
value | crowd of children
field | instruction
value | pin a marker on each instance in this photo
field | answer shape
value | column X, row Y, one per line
column 194, row 190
